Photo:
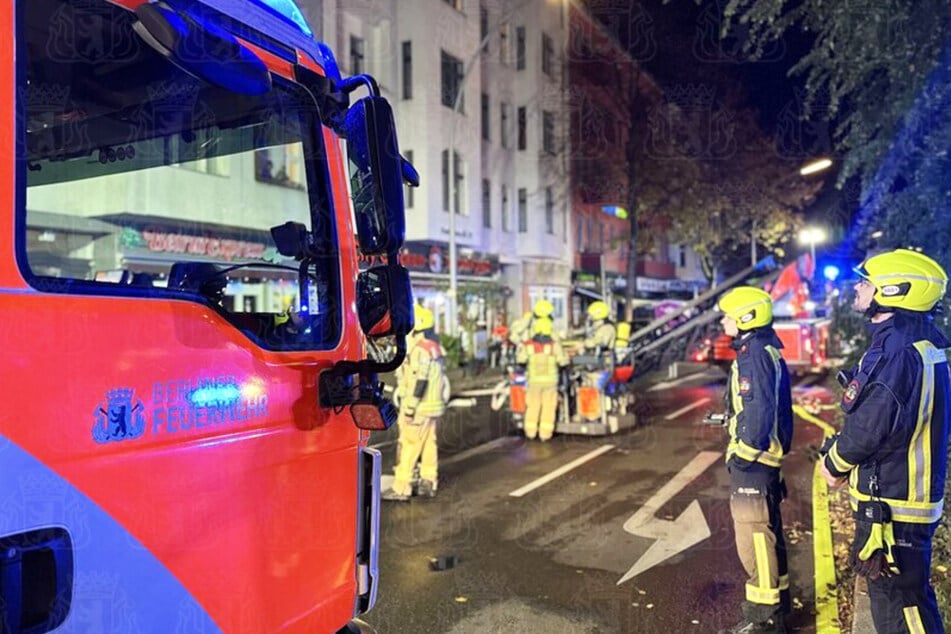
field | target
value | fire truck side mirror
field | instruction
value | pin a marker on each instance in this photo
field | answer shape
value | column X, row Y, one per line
column 201, row 49
column 385, row 301
column 376, row 175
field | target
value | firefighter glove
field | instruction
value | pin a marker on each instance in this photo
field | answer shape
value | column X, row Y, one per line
column 872, row 553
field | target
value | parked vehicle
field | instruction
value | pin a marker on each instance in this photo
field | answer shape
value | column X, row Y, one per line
column 185, row 369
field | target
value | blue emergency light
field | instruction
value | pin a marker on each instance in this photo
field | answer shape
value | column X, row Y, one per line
column 615, row 210
column 289, row 11
column 831, row 272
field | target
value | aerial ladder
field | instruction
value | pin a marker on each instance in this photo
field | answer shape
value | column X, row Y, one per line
column 668, row 338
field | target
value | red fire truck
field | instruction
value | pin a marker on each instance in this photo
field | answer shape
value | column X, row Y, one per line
column 805, row 344
column 183, row 444
column 805, row 338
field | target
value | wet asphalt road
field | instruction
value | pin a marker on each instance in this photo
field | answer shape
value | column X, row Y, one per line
column 549, row 561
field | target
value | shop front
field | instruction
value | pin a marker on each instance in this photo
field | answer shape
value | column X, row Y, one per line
column 481, row 295
column 151, row 245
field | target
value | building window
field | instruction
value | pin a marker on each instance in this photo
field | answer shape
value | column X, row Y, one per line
column 548, row 55
column 484, row 28
column 522, row 210
column 407, row 70
column 486, row 122
column 486, row 203
column 601, row 237
column 504, row 55
column 549, row 210
column 505, row 209
column 408, row 194
column 357, row 61
column 455, row 4
column 590, row 237
column 520, row 48
column 548, row 132
column 504, row 124
column 460, row 182
column 522, row 128
column 564, row 224
column 579, row 229
column 683, row 257
column 452, row 81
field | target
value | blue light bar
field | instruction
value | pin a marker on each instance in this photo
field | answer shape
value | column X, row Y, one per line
column 615, row 210
column 219, row 395
column 289, row 11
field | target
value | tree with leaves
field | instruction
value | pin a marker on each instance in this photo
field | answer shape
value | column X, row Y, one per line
column 881, row 70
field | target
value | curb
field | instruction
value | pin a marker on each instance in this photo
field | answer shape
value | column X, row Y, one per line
column 861, row 608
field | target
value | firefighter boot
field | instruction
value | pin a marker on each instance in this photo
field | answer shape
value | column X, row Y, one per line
column 427, row 489
column 394, row 496
column 773, row 625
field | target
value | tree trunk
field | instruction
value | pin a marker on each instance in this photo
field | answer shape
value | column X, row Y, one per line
column 632, row 200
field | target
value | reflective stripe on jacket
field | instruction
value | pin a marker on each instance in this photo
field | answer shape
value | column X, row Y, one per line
column 543, row 359
column 894, row 443
column 759, row 400
column 423, row 385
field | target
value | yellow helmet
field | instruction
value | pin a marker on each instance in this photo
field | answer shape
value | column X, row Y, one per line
column 542, row 327
column 905, row 279
column 543, row 308
column 749, row 306
column 423, row 317
column 598, row 310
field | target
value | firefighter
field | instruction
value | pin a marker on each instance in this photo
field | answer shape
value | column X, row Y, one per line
column 759, row 406
column 600, row 334
column 543, row 357
column 423, row 391
column 520, row 330
column 893, row 446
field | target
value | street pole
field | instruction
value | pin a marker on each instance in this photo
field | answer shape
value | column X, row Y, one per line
column 753, row 244
column 604, row 283
column 453, row 193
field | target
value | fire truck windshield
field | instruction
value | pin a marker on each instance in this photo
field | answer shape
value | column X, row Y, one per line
column 137, row 173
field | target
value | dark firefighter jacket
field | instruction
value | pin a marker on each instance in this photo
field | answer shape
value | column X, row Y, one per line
column 894, row 443
column 759, row 401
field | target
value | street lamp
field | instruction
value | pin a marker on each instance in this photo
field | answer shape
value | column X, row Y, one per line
column 812, row 236
column 453, row 194
column 815, row 166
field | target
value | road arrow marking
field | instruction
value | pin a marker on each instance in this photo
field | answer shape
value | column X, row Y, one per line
column 674, row 536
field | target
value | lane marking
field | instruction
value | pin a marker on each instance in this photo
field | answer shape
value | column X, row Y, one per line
column 687, row 408
column 663, row 385
column 504, row 441
column 560, row 471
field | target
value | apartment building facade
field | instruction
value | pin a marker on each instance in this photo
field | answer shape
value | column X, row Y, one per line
column 503, row 144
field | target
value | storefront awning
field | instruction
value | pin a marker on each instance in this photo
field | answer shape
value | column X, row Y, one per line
column 587, row 293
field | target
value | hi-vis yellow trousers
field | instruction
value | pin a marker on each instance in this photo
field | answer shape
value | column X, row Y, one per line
column 417, row 442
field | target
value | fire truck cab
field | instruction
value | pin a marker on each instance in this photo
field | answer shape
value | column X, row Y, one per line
column 188, row 393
